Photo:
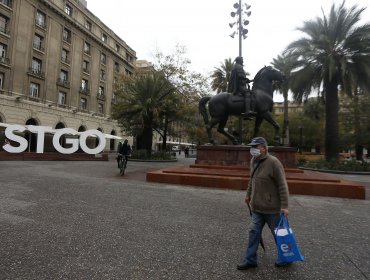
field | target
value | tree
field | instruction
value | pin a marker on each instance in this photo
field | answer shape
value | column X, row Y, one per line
column 334, row 52
column 140, row 100
column 221, row 76
column 285, row 64
column 189, row 87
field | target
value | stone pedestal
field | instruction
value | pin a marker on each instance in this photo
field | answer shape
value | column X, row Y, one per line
column 238, row 155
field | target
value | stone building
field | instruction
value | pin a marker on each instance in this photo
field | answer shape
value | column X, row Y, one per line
column 58, row 66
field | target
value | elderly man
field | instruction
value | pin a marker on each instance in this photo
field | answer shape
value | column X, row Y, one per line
column 267, row 195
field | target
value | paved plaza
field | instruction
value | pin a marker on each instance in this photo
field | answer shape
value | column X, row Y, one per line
column 80, row 220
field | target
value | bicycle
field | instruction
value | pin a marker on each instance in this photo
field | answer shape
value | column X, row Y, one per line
column 122, row 165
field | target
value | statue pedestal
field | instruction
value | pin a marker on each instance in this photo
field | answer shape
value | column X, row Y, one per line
column 238, row 155
column 228, row 167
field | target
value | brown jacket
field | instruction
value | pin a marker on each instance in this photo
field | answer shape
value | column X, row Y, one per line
column 268, row 189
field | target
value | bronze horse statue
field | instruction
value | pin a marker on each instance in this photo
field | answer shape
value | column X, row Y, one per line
column 222, row 105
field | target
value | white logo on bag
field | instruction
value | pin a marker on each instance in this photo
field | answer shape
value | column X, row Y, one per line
column 286, row 249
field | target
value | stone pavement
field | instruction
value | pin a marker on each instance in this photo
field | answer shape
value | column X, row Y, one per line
column 80, row 220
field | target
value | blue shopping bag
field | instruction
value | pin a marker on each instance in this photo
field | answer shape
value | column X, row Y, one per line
column 286, row 244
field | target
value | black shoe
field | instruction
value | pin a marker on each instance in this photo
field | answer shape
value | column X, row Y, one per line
column 284, row 264
column 245, row 266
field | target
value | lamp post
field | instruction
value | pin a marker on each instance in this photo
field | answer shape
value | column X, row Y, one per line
column 242, row 34
column 240, row 23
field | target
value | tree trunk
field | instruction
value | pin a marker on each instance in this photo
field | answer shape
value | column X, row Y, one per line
column 357, row 126
column 286, row 140
column 145, row 139
column 164, row 143
column 331, row 121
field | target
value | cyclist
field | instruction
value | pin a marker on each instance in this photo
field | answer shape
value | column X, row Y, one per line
column 124, row 149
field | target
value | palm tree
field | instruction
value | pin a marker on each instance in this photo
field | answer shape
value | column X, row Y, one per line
column 139, row 105
column 285, row 65
column 221, row 75
column 335, row 52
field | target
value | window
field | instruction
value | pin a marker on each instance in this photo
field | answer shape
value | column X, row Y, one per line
column 3, row 23
column 104, row 38
column 100, row 108
column 65, row 55
column 63, row 75
column 36, row 65
column 116, row 66
column 88, row 25
column 84, row 84
column 117, row 48
column 103, row 58
column 6, row 2
column 38, row 42
column 62, row 98
column 101, row 91
column 3, row 49
column 67, row 35
column 83, row 103
column 85, row 66
column 40, row 19
column 87, row 48
column 34, row 90
column 1, row 80
column 114, row 98
column 68, row 9
column 102, row 75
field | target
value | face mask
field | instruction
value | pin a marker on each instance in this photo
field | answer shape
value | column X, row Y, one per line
column 255, row 152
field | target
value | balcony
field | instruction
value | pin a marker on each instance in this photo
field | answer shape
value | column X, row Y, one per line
column 38, row 47
column 63, row 83
column 5, row 61
column 7, row 3
column 36, row 73
column 84, row 90
column 4, row 29
column 65, row 60
column 101, row 96
column 67, row 38
column 40, row 23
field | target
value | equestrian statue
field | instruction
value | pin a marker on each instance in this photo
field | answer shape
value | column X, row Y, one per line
column 241, row 101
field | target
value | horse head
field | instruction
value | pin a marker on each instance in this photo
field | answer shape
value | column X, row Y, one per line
column 264, row 78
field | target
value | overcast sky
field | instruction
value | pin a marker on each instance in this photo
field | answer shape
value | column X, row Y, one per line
column 203, row 27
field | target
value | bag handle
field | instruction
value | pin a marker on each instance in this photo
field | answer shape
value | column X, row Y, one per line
column 283, row 221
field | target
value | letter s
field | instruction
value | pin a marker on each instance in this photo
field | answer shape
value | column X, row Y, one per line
column 23, row 143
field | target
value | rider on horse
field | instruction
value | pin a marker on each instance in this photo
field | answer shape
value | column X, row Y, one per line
column 237, row 86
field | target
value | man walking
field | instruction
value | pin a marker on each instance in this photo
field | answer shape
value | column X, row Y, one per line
column 267, row 195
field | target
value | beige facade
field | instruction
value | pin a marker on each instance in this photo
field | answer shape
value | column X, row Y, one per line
column 58, row 65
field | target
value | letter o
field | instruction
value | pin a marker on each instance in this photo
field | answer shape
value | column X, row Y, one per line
column 88, row 133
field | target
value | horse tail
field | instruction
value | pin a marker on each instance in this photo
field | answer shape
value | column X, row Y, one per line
column 202, row 108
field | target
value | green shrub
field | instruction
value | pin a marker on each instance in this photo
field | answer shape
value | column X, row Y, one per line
column 160, row 155
column 345, row 165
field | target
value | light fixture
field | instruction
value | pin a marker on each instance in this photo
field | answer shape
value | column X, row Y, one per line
column 232, row 24
column 233, row 34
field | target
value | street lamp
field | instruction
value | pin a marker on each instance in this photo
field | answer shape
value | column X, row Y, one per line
column 242, row 32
